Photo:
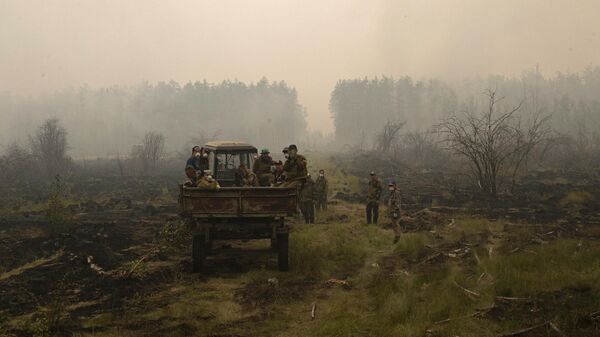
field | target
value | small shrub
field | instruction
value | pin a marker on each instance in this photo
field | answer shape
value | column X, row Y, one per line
column 175, row 236
column 412, row 246
column 39, row 327
column 59, row 220
column 137, row 268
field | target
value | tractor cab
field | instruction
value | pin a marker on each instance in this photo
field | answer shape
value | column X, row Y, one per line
column 224, row 159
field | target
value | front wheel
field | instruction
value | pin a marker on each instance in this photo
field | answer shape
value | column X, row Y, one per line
column 282, row 251
column 198, row 252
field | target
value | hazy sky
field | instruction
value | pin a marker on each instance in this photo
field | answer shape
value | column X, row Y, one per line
column 51, row 44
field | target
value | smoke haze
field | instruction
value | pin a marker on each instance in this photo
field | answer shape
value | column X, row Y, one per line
column 50, row 45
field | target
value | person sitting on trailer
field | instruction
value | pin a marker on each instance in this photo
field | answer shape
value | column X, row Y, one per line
column 247, row 178
column 207, row 182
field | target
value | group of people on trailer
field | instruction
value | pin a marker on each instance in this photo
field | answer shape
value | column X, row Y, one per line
column 266, row 172
column 293, row 173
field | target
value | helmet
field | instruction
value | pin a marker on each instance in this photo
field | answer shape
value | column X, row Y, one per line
column 391, row 183
column 264, row 151
column 293, row 147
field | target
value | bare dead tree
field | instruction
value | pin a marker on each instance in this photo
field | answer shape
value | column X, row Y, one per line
column 386, row 138
column 49, row 146
column 527, row 138
column 151, row 150
column 494, row 142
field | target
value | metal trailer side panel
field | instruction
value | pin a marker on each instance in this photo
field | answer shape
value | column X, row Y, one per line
column 238, row 202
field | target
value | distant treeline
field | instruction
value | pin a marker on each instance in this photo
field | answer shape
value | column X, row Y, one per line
column 361, row 107
column 109, row 121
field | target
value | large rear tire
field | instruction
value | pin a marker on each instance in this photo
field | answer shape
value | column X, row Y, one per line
column 198, row 252
column 282, row 251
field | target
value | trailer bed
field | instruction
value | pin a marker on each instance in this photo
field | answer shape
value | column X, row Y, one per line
column 237, row 202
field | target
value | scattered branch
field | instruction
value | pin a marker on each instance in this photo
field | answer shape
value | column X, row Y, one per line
column 471, row 292
column 524, row 330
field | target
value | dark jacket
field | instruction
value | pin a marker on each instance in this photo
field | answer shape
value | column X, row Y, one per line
column 374, row 191
column 322, row 186
column 262, row 165
column 307, row 192
column 198, row 163
column 295, row 167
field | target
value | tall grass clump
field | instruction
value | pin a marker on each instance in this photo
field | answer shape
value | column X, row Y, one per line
column 333, row 249
column 551, row 267
column 412, row 246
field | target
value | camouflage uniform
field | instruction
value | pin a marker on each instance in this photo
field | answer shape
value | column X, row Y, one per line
column 373, row 197
column 262, row 169
column 208, row 184
column 192, row 175
column 249, row 180
column 394, row 210
column 245, row 178
column 321, row 189
column 295, row 170
column 307, row 197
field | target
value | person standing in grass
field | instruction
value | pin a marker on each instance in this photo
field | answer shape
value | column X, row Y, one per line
column 307, row 197
column 373, row 197
column 321, row 191
column 394, row 203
